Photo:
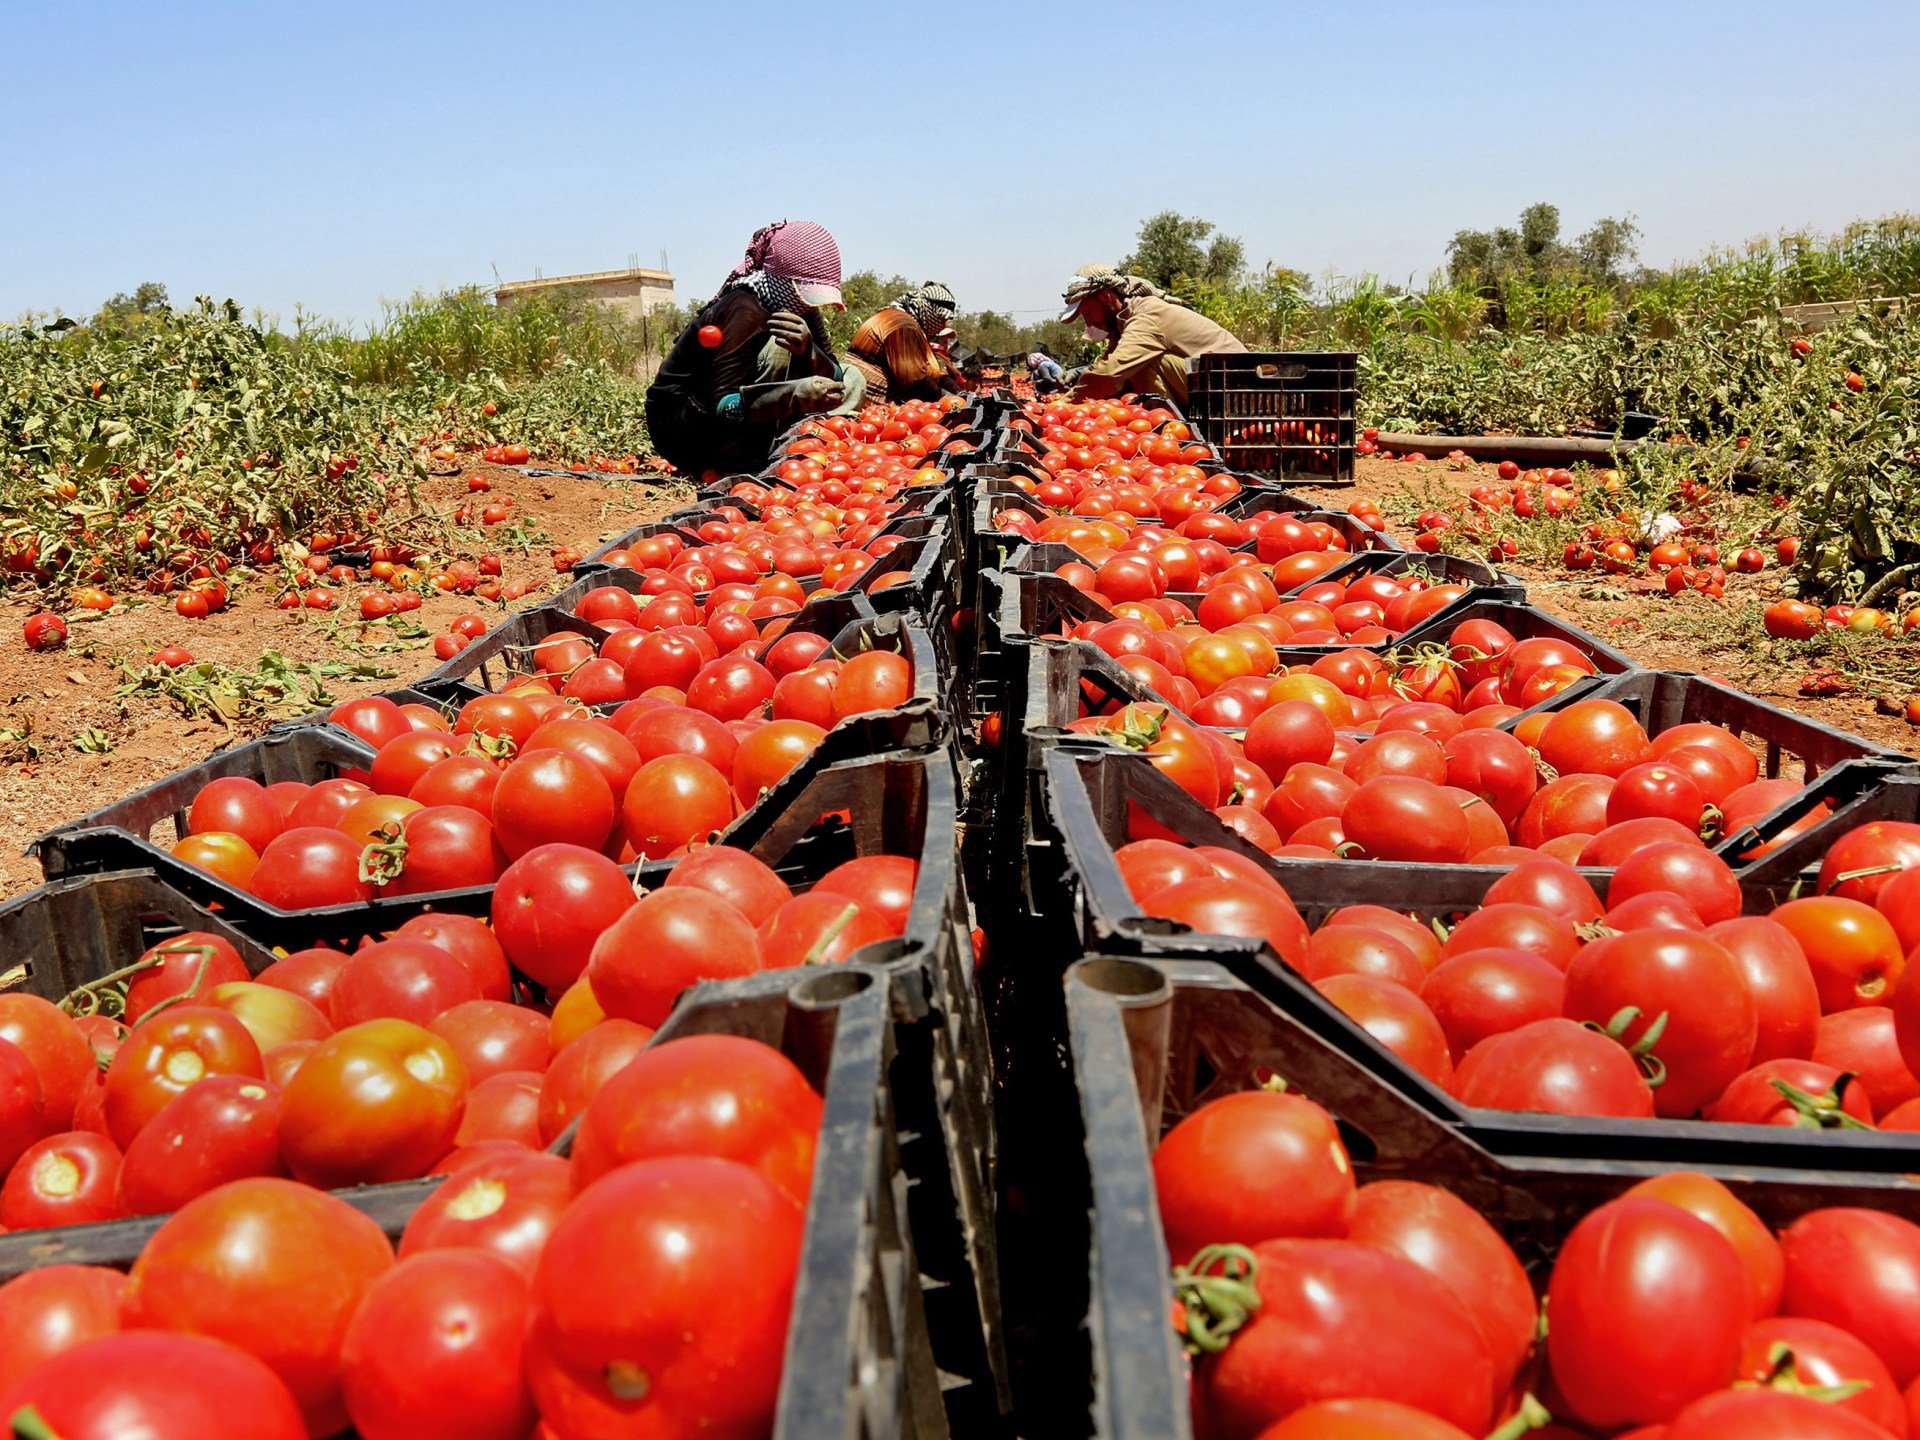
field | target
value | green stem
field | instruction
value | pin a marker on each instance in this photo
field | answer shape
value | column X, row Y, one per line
column 1532, row 1416
column 26, row 1424
column 1218, row 1292
column 816, row 953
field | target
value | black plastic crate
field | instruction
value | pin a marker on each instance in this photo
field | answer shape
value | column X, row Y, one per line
column 867, row 1351
column 1864, row 795
column 1081, row 813
column 1151, row 1042
column 1289, row 414
column 71, row 932
column 1523, row 622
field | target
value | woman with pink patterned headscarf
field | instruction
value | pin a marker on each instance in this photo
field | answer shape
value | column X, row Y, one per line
column 755, row 358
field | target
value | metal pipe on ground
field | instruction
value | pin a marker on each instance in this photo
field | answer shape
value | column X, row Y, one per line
column 1537, row 449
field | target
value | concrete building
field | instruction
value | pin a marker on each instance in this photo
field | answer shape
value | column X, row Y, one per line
column 632, row 292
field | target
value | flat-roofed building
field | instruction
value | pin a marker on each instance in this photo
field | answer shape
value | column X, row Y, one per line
column 632, row 292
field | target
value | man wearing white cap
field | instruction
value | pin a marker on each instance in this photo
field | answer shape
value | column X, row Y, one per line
column 1152, row 337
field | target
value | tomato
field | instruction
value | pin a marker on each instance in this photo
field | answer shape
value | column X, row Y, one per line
column 1762, row 1096
column 621, row 1297
column 874, row 680
column 1555, row 1065
column 492, row 1038
column 46, row 1312
column 1216, row 905
column 677, row 730
column 818, row 928
column 506, row 1204
column 307, row 867
column 1595, row 737
column 192, row 963
column 273, row 1016
column 1400, row 817
column 225, row 1128
column 458, row 780
column 400, row 763
column 676, row 800
column 1754, row 1244
column 1685, row 869
column 378, row 1101
column 310, row 974
column 730, row 688
column 1862, row 862
column 166, row 1055
column 1793, row 1353
column 1858, row 1269
column 582, row 1066
column 1360, row 950
column 1259, row 1165
column 322, row 804
column 57, row 1050
column 594, row 741
column 668, row 940
column 374, row 718
column 1711, row 1023
column 1476, row 994
column 1510, row 925
column 237, row 806
column 1786, row 999
column 22, row 1104
column 469, row 940
column 45, row 631
column 738, row 877
column 1450, row 1241
column 400, row 979
column 551, row 797
column 1362, row 1420
column 1339, row 1320
column 1864, row 1042
column 498, row 718
column 1621, row 1269
column 66, row 1179
column 551, row 905
column 1494, row 766
column 502, row 1107
column 1854, row 954
column 156, row 1387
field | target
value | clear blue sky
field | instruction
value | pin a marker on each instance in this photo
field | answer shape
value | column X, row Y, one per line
column 333, row 155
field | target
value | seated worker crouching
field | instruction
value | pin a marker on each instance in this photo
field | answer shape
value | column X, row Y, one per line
column 898, row 349
column 755, row 358
column 1150, row 337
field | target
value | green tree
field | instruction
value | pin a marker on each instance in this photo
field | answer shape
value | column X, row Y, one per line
column 1175, row 249
column 128, row 314
column 1534, row 253
column 863, row 292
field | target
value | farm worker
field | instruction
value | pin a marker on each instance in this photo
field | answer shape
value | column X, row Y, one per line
column 755, row 358
column 1047, row 374
column 900, row 350
column 1152, row 336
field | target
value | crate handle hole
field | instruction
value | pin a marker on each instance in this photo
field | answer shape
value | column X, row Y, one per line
column 1121, row 977
column 833, row 987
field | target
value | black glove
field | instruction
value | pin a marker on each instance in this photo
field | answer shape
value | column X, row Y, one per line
column 819, row 392
column 790, row 331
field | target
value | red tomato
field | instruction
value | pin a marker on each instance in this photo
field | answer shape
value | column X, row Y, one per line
column 59, row 1053
column 46, row 1312
column 376, row 1102
column 1625, row 1265
column 400, row 979
column 551, row 905
column 159, row 1385
column 1827, row 1097
column 1558, row 1066
column 551, row 797
column 1858, row 1269
column 1813, row 1353
column 582, row 1066
column 1854, row 954
column 738, row 877
column 1450, row 1241
column 1594, row 737
column 1259, row 1165
column 506, row 1204
column 1709, row 1200
column 668, row 940
column 1214, row 905
column 1476, row 994
column 435, row 1351
column 66, row 1179
column 1710, row 1021
column 471, row 941
column 192, row 963
column 225, row 1128
column 238, row 806
column 310, row 974
column 307, row 867
column 492, row 1037
column 293, row 1264
column 1340, row 1320
column 167, row 1055
column 884, row 884
column 1401, row 817
column 1786, row 1000
column 1768, row 1415
column 621, row 1296
column 818, row 928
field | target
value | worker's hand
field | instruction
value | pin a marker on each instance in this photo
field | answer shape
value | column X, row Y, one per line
column 819, row 392
column 789, row 331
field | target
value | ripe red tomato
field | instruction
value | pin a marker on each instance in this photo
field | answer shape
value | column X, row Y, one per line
column 506, row 1204
column 1710, row 1022
column 192, row 963
column 168, row 1054
column 48, row 1311
column 719, row 1095
column 1623, row 1266
column 675, row 800
column 66, row 1179
column 1857, row 1269
column 551, row 797
column 1786, row 999
column 769, row 754
column 376, row 1102
column 435, row 1351
column 237, row 806
column 740, row 878
column 621, row 1295
column 1823, row 1355
column 1259, row 1165
column 1768, row 1415
column 1402, row 817
column 400, row 979
column 293, row 1264
column 54, row 1046
column 307, row 867
column 1852, row 949
column 492, row 1037
column 1558, row 1066
column 227, row 1127
column 551, row 905
column 668, row 940
column 374, row 718
column 1340, row 1320
column 161, row 1385
column 710, row 337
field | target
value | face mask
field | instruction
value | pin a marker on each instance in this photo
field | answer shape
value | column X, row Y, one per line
column 1096, row 332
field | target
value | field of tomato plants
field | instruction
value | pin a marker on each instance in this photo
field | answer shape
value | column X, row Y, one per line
column 1085, row 941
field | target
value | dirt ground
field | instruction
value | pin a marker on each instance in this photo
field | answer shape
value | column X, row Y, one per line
column 1687, row 633
column 63, row 699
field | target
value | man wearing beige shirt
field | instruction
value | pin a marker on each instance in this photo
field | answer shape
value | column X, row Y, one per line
column 1152, row 336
